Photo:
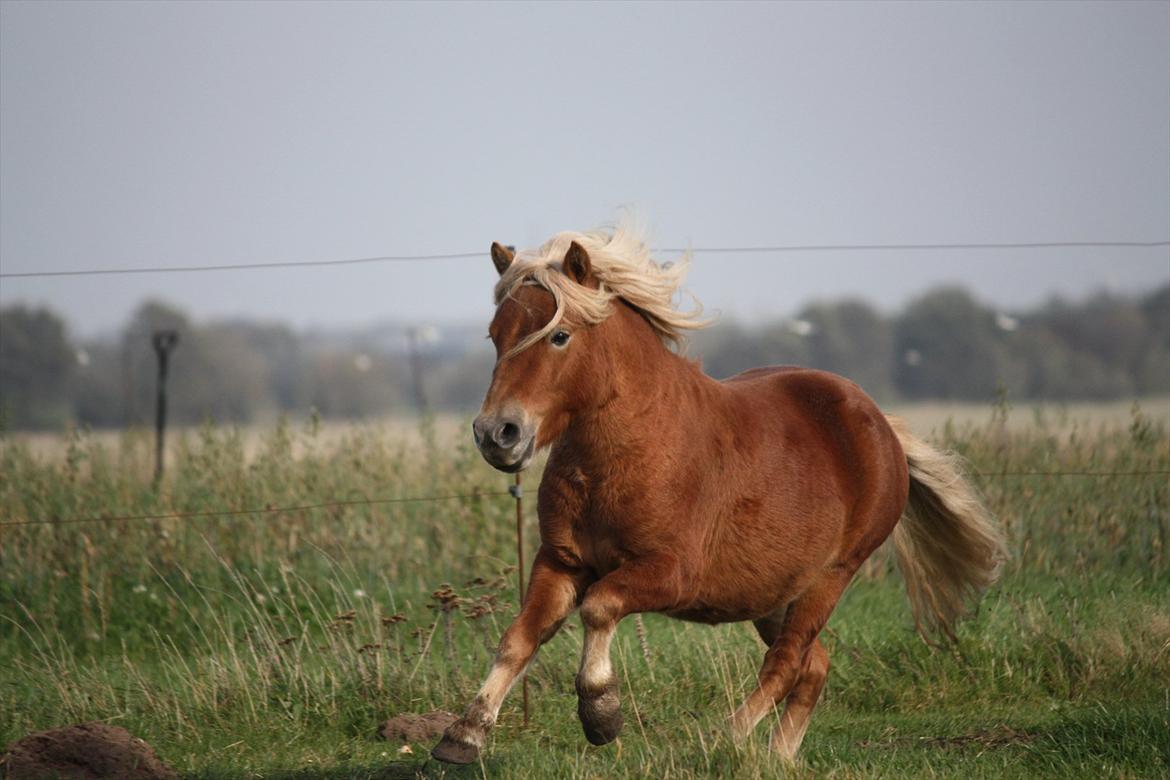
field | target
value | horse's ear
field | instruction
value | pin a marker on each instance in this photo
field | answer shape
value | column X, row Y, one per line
column 577, row 265
column 501, row 257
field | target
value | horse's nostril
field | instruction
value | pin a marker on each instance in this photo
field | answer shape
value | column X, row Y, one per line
column 507, row 434
column 481, row 429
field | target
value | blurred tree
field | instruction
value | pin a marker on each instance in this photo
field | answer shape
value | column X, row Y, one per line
column 459, row 385
column 350, row 384
column 727, row 349
column 949, row 346
column 36, row 365
column 1108, row 332
column 1152, row 374
column 852, row 339
column 944, row 345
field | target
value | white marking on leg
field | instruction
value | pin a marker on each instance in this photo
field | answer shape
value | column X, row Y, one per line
column 747, row 717
column 788, row 736
column 495, row 688
column 497, row 685
column 596, row 667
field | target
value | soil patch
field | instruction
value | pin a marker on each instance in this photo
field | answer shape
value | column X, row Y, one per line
column 416, row 728
column 87, row 751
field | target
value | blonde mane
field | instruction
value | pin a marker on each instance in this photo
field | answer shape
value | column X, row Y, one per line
column 623, row 267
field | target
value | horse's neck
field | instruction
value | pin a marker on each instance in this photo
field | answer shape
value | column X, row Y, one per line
column 654, row 392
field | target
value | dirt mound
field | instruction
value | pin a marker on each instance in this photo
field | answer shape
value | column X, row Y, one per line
column 416, row 728
column 87, row 751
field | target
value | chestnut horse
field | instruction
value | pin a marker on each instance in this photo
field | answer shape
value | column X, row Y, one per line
column 756, row 498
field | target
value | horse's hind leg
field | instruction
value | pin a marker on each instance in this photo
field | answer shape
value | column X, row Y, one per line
column 795, row 667
column 799, row 705
column 802, row 700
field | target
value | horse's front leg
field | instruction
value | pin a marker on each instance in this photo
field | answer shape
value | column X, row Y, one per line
column 553, row 593
column 647, row 584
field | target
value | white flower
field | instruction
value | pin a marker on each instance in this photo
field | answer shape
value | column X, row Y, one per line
column 140, row 588
column 359, row 593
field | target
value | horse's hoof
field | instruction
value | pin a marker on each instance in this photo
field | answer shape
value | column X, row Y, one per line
column 602, row 731
column 455, row 751
column 600, row 714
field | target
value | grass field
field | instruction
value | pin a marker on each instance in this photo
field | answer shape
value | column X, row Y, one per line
column 273, row 644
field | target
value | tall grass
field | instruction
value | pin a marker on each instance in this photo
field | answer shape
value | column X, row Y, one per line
column 276, row 641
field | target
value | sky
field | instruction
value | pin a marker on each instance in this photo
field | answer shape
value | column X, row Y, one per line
column 179, row 134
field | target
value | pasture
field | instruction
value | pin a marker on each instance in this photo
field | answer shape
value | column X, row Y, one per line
column 272, row 643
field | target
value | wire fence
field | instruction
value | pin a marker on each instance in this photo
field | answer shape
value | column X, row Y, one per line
column 276, row 510
column 729, row 250
column 266, row 510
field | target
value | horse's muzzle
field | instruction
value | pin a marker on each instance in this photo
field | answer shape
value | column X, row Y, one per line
column 506, row 442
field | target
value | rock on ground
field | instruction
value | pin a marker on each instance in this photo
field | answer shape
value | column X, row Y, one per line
column 416, row 728
column 87, row 751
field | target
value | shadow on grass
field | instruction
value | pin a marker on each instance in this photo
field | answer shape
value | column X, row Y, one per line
column 1113, row 741
column 1138, row 738
column 427, row 769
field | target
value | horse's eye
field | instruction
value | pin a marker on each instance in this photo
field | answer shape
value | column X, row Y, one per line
column 560, row 338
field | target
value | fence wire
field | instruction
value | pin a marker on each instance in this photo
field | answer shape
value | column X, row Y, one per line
column 267, row 510
column 728, row 250
column 272, row 510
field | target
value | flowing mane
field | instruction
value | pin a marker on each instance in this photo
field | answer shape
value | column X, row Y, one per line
column 623, row 268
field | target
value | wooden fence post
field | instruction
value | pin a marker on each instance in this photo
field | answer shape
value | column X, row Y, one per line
column 164, row 341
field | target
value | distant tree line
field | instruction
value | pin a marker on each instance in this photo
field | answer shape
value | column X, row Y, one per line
column 947, row 345
column 943, row 345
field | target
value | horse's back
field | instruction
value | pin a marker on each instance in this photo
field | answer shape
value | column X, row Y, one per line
column 828, row 399
column 825, row 418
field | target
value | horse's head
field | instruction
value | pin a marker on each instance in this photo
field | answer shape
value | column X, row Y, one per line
column 543, row 375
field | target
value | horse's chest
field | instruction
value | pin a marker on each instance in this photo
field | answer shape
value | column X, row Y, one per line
column 601, row 529
column 597, row 540
column 602, row 542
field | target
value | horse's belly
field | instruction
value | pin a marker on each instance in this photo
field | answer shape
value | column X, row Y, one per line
column 713, row 615
column 762, row 566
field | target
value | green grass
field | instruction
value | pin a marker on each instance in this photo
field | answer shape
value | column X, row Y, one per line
column 272, row 645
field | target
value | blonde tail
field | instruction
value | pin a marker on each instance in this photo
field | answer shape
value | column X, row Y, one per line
column 948, row 546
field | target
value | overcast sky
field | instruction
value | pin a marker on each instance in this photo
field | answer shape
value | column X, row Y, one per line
column 163, row 134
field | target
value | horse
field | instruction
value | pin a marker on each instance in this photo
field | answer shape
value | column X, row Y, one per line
column 755, row 498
